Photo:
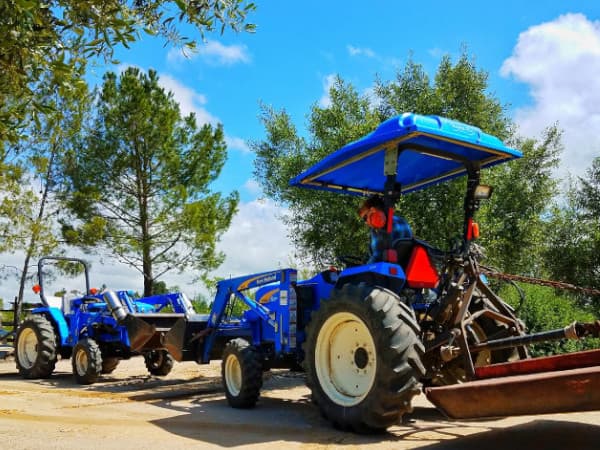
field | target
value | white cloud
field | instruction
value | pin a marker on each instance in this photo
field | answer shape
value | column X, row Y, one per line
column 212, row 52
column 189, row 100
column 102, row 271
column 560, row 61
column 436, row 52
column 361, row 51
column 237, row 143
column 256, row 241
column 178, row 55
column 327, row 82
column 124, row 66
column 253, row 187
column 370, row 93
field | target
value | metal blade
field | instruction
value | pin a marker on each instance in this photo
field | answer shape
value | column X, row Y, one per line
column 138, row 330
column 174, row 339
column 564, row 383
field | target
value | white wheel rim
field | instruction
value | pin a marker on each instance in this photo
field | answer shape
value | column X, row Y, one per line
column 81, row 362
column 345, row 359
column 233, row 375
column 27, row 348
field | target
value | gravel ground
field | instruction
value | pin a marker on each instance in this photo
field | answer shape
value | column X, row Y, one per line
column 130, row 409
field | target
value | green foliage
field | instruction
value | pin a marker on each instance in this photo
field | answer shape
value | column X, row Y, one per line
column 52, row 37
column 315, row 218
column 201, row 304
column 459, row 91
column 545, row 309
column 324, row 226
column 573, row 251
column 139, row 182
column 6, row 321
column 589, row 194
column 159, row 287
column 513, row 226
column 237, row 308
column 29, row 178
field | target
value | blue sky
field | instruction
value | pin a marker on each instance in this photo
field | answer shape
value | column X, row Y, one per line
column 299, row 46
column 543, row 59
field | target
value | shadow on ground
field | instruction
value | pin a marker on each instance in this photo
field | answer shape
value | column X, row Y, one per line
column 537, row 434
column 143, row 387
column 211, row 420
column 200, row 412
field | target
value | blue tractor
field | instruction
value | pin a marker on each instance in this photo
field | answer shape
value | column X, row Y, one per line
column 371, row 335
column 95, row 329
column 368, row 336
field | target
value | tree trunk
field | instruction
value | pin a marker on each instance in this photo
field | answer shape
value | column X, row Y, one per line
column 34, row 237
column 148, row 282
column 19, row 298
column 146, row 241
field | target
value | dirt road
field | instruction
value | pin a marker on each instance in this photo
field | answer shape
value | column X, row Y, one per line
column 187, row 409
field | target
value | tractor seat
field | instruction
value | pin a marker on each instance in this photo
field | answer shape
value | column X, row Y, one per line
column 404, row 248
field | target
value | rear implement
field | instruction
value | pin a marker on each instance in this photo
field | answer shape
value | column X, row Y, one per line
column 554, row 384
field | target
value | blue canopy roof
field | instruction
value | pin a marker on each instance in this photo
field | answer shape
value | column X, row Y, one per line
column 428, row 150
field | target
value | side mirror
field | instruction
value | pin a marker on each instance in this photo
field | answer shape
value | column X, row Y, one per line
column 483, row 192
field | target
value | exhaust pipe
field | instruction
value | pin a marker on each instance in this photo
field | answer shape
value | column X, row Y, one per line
column 115, row 306
column 138, row 330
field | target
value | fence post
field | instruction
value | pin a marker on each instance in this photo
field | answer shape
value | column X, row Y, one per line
column 17, row 314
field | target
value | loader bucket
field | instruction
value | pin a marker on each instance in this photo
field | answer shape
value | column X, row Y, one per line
column 138, row 330
column 184, row 340
column 174, row 340
column 556, row 384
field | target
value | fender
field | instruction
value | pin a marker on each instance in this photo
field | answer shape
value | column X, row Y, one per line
column 384, row 274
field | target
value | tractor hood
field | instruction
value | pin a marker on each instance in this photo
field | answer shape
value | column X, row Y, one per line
column 426, row 150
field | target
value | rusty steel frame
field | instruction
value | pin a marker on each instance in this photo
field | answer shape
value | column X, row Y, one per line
column 461, row 318
column 555, row 384
column 564, row 383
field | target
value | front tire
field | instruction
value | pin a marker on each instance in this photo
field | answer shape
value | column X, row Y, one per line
column 159, row 362
column 363, row 358
column 35, row 344
column 241, row 372
column 109, row 364
column 86, row 361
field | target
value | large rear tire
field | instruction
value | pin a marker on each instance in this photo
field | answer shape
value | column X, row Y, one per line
column 241, row 372
column 36, row 348
column 86, row 361
column 363, row 358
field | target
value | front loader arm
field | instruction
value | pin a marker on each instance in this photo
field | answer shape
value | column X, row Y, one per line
column 235, row 287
